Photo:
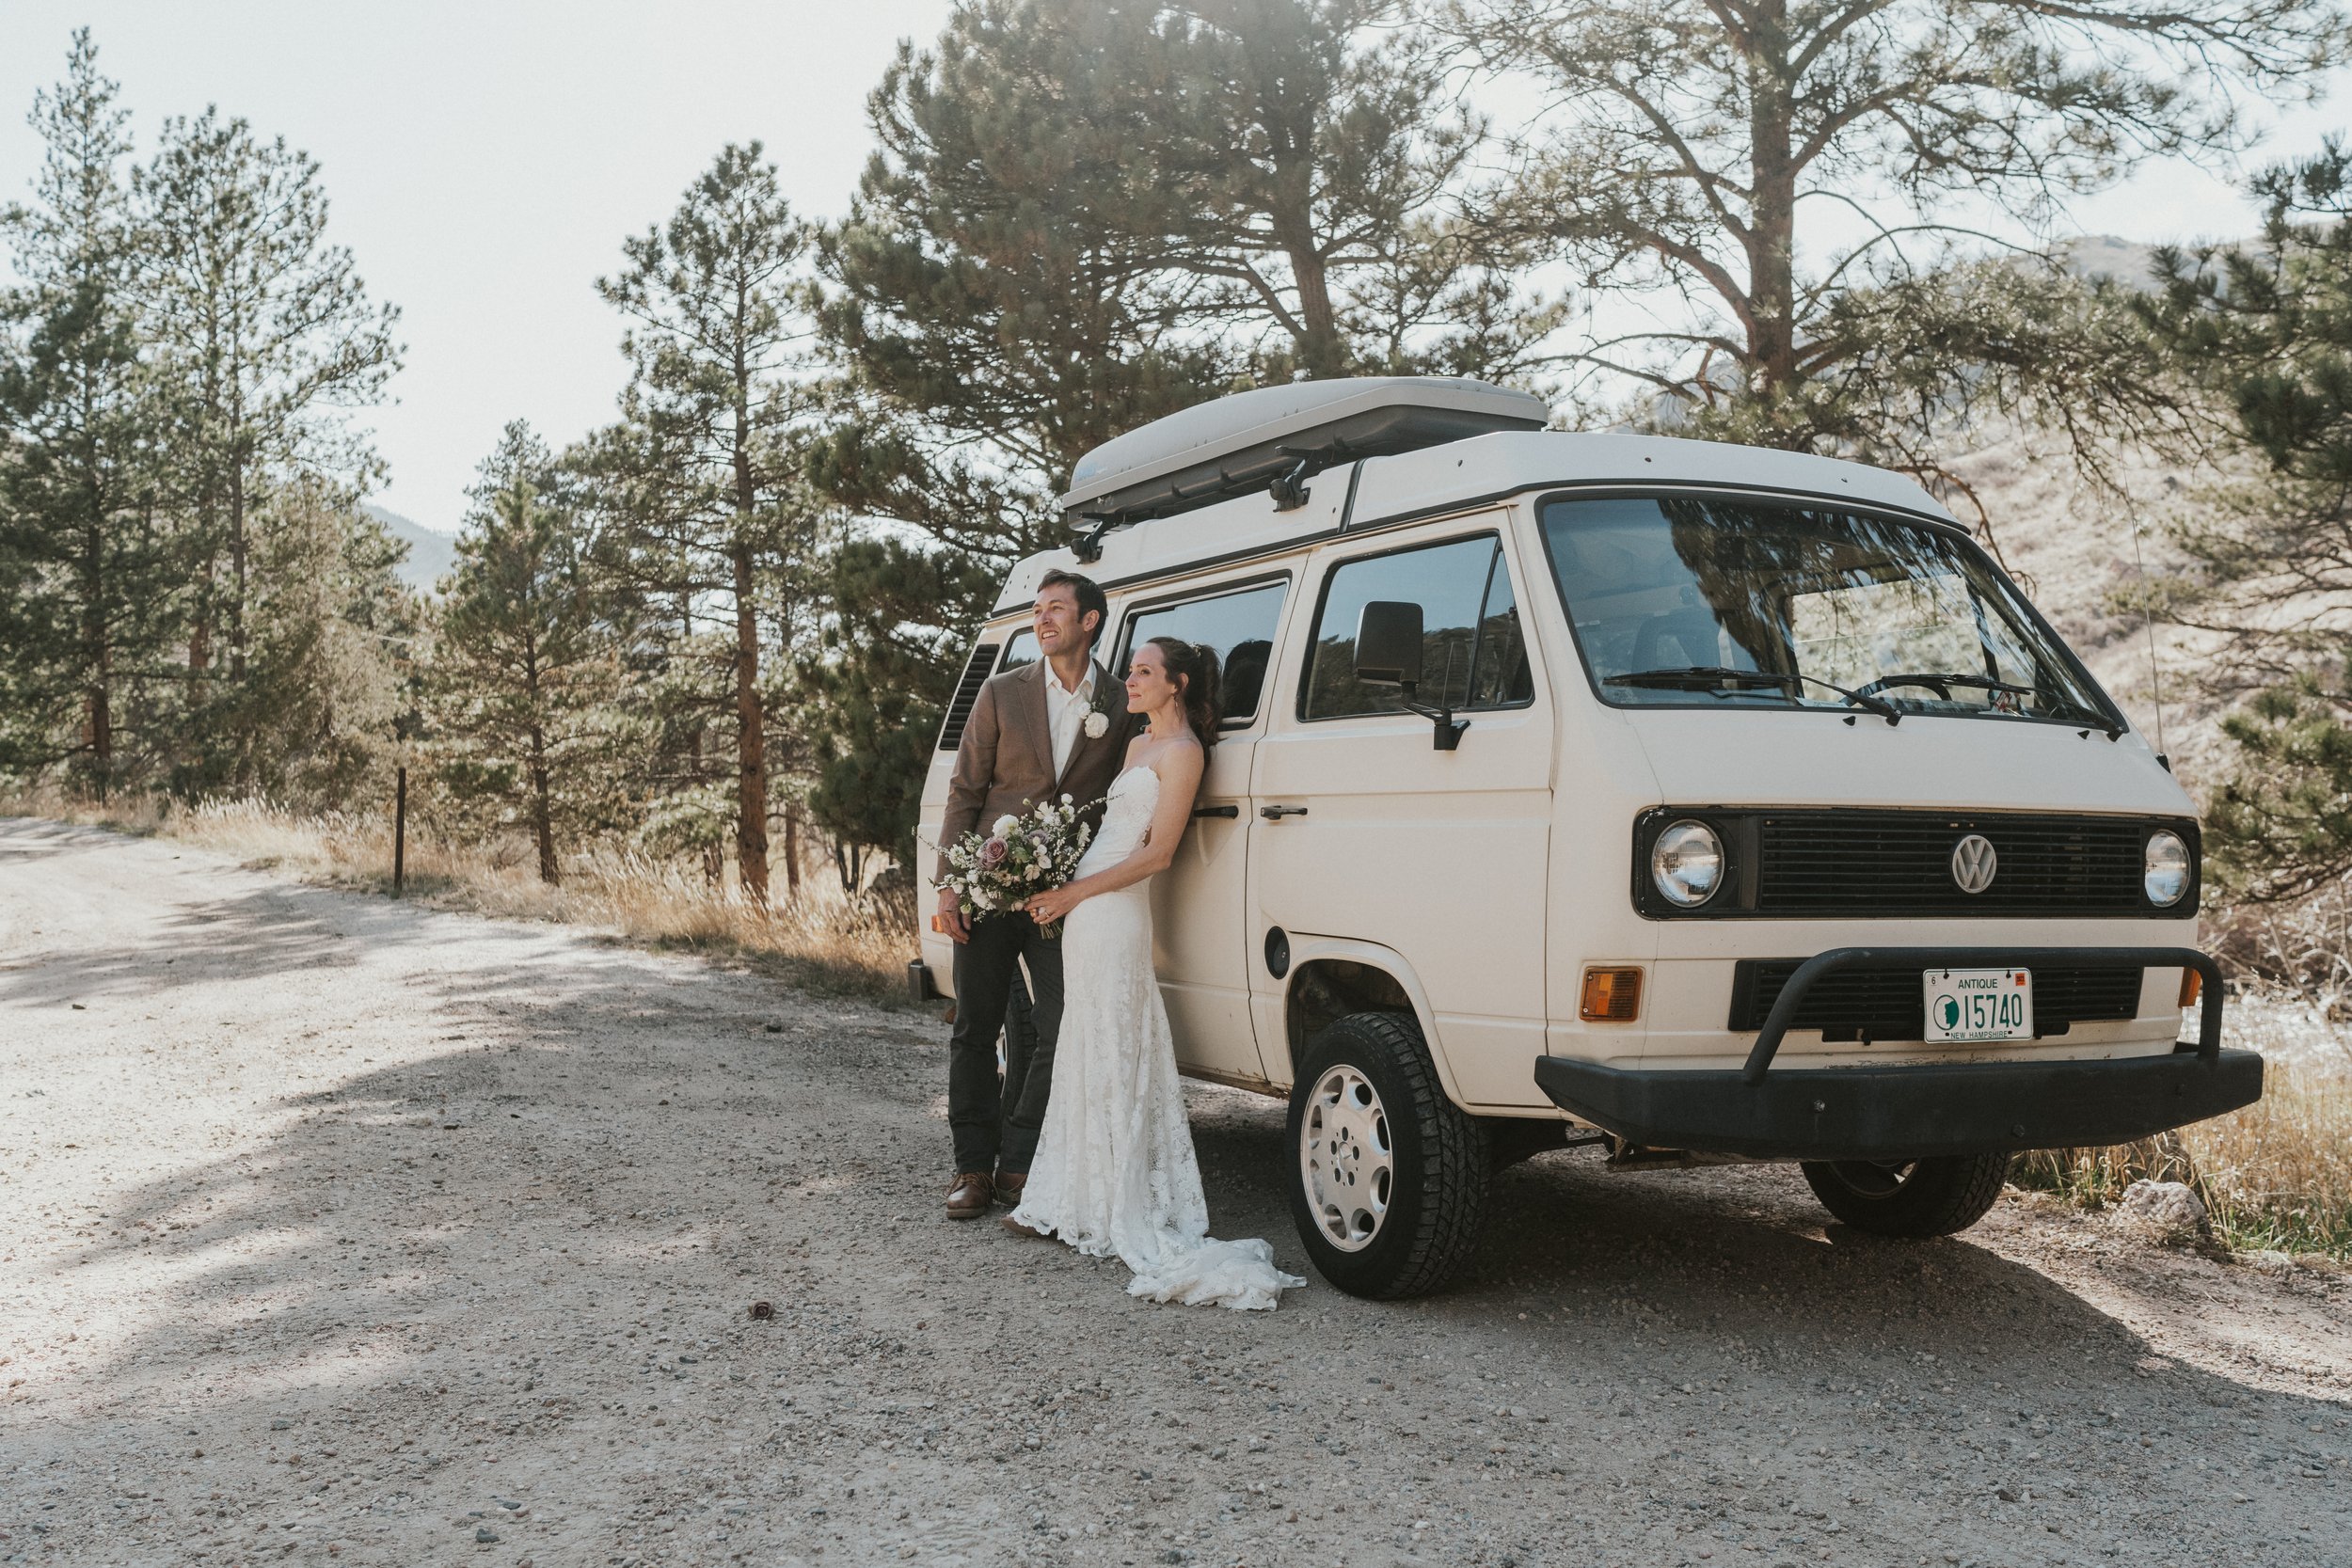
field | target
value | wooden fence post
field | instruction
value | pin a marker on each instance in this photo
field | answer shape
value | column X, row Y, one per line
column 400, row 832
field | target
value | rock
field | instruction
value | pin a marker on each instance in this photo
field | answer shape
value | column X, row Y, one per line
column 486, row 1535
column 2167, row 1212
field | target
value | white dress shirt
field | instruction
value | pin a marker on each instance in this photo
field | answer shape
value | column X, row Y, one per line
column 1066, row 713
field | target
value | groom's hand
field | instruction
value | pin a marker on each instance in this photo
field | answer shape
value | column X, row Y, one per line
column 951, row 918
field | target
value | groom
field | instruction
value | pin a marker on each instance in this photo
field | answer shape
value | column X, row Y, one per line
column 1055, row 727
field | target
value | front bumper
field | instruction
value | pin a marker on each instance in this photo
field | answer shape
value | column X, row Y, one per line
column 1900, row 1112
column 1916, row 1112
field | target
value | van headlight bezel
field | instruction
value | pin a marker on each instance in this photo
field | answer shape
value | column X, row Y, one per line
column 1682, row 847
column 2166, row 861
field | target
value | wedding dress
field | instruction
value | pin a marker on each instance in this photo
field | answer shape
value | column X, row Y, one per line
column 1115, row 1171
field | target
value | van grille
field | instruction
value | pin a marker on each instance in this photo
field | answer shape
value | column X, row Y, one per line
column 1869, row 862
column 975, row 673
column 1891, row 1005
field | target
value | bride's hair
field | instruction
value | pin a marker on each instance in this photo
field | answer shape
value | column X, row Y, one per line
column 1193, row 666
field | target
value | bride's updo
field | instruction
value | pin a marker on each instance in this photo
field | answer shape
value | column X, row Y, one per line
column 1193, row 667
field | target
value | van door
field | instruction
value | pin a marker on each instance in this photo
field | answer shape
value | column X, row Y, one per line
column 1366, row 831
column 1197, row 933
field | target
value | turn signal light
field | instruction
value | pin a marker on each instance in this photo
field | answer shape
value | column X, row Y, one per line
column 2192, row 987
column 939, row 925
column 1611, row 995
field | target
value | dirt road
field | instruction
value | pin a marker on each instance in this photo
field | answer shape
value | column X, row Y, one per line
column 339, row 1231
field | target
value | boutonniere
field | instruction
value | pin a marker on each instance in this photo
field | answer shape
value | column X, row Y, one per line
column 1098, row 720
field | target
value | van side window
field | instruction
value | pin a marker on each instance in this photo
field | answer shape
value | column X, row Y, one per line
column 976, row 669
column 1474, row 652
column 1020, row 648
column 1239, row 625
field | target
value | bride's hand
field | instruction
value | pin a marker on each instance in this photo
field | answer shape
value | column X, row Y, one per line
column 1052, row 905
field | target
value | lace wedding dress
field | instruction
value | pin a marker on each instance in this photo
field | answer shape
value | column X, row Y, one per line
column 1115, row 1171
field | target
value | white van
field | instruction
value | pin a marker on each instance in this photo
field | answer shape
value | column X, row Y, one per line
column 1705, row 801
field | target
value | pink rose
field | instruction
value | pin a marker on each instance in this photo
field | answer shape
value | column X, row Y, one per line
column 993, row 852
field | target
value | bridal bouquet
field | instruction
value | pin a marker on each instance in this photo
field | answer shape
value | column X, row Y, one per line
column 1020, row 855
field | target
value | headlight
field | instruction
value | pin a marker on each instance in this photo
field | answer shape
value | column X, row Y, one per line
column 2164, row 868
column 1687, row 863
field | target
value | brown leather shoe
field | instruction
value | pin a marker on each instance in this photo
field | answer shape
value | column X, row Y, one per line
column 1009, row 1185
column 968, row 1200
column 1019, row 1229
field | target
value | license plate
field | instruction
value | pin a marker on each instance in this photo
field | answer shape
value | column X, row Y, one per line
column 1967, row 1006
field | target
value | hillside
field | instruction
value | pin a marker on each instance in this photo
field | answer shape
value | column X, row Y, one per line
column 430, row 554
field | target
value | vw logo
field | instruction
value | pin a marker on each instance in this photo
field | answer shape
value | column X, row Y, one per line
column 1974, row 862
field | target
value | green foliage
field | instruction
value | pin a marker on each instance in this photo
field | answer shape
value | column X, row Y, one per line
column 524, row 668
column 710, row 520
column 2263, row 334
column 995, row 327
column 2281, row 826
column 261, row 334
column 85, row 564
column 1709, row 149
column 902, row 628
column 1082, row 217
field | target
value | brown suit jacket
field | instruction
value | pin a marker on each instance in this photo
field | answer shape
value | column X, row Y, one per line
column 1005, row 760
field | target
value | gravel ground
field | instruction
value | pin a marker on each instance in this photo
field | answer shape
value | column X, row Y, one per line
column 337, row 1229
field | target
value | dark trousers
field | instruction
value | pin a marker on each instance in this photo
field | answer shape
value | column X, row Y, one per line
column 995, row 1122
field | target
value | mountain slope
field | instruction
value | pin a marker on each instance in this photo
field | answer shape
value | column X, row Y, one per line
column 430, row 554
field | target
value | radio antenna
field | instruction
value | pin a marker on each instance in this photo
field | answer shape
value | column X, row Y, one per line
column 2147, row 623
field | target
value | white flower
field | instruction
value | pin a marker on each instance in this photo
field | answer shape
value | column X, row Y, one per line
column 1004, row 825
column 1097, row 725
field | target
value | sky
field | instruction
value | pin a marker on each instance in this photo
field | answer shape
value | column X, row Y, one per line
column 486, row 158
column 485, row 161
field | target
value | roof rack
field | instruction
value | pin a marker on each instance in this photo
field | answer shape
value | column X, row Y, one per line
column 1280, row 437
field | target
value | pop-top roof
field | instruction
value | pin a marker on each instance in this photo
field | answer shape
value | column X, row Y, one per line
column 1240, row 443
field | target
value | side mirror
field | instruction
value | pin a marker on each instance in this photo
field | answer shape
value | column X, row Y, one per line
column 1388, row 653
column 1387, row 644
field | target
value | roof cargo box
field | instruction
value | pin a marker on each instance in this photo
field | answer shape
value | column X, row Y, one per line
column 1242, row 443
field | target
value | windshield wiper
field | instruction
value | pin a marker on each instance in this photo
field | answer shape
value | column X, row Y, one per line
column 1950, row 678
column 1723, row 678
column 2068, row 708
column 2062, row 705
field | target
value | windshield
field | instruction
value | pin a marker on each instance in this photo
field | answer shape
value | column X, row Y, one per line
column 1680, row 600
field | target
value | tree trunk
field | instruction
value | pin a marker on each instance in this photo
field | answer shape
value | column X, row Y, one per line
column 791, row 851
column 750, row 804
column 1772, row 207
column 542, row 807
column 237, row 572
column 98, row 656
column 1320, row 350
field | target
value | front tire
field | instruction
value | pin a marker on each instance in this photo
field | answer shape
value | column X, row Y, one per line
column 1389, row 1177
column 1909, row 1199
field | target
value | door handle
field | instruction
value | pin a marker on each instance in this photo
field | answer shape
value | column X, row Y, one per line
column 1274, row 814
column 1199, row 812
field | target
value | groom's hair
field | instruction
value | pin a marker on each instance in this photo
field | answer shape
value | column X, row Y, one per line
column 1089, row 595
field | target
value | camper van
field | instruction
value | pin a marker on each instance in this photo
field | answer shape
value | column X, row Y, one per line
column 1701, row 802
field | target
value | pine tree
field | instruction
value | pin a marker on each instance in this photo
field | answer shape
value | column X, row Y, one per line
column 87, row 597
column 2264, row 332
column 995, row 326
column 711, row 451
column 1709, row 150
column 893, row 651
column 1319, row 150
column 523, row 663
column 265, row 334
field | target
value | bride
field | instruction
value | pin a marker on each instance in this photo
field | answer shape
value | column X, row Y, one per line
column 1115, row 1171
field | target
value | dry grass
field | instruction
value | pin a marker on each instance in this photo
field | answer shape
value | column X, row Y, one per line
column 824, row 940
column 2274, row 1176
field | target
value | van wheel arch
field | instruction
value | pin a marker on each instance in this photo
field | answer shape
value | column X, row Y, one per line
column 1323, row 990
